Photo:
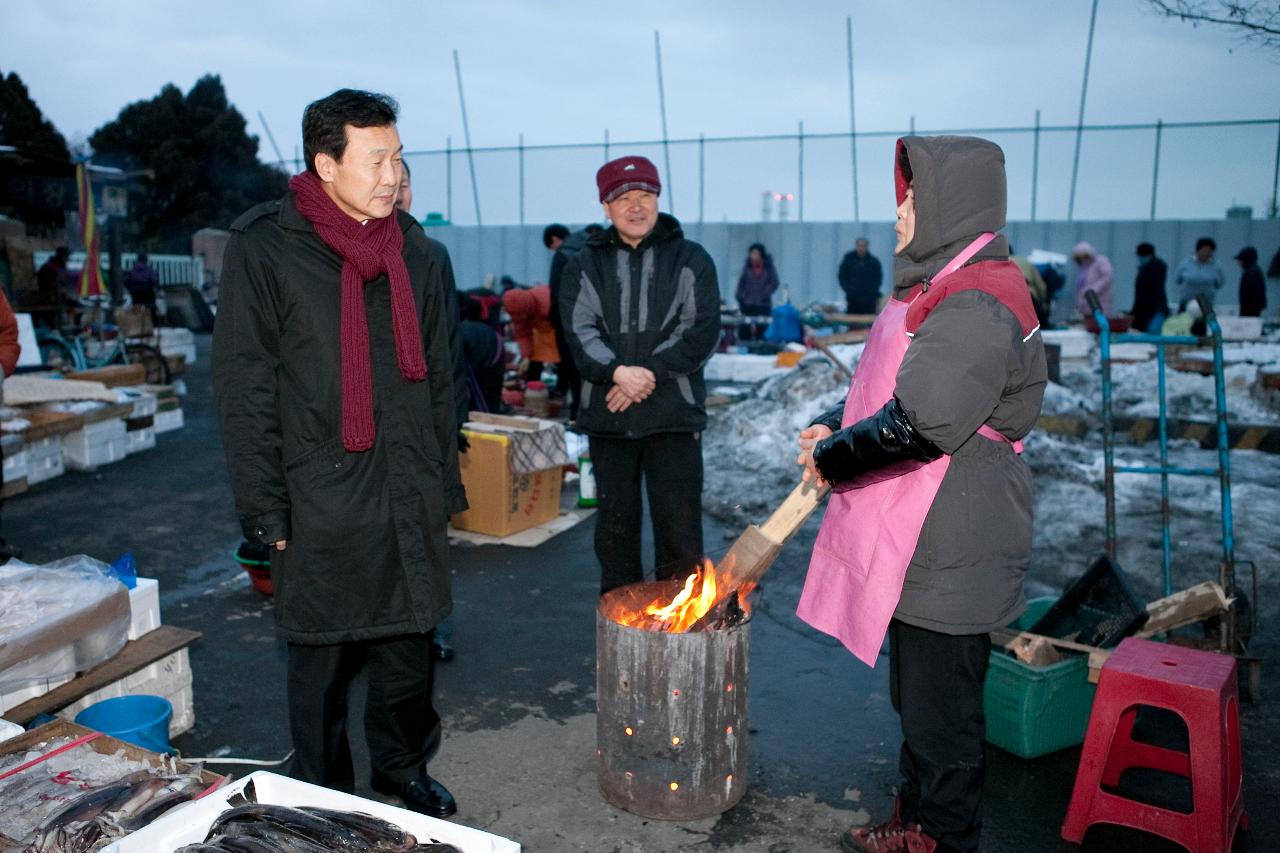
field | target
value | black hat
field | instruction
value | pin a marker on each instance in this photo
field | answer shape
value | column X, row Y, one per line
column 1249, row 255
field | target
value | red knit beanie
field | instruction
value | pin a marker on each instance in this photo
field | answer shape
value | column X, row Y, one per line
column 627, row 173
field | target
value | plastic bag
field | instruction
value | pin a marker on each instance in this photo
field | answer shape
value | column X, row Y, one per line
column 58, row 619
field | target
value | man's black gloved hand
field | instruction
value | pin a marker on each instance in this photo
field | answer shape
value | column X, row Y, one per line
column 876, row 448
column 463, row 444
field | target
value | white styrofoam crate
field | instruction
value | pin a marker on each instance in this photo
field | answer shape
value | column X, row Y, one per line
column 44, row 459
column 184, row 711
column 144, row 607
column 144, row 402
column 95, row 444
column 137, row 440
column 1072, row 343
column 169, row 678
column 168, row 421
column 1240, row 328
column 16, row 466
column 189, row 824
column 112, row 450
column 14, row 698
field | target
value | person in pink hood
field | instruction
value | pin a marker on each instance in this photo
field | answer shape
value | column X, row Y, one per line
column 1093, row 272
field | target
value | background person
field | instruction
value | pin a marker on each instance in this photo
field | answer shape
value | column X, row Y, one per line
column 756, row 286
column 644, row 312
column 1199, row 275
column 142, row 282
column 1253, row 287
column 1150, row 304
column 860, row 278
column 1094, row 274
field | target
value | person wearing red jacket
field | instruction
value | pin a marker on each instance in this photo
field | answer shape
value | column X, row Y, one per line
column 10, row 349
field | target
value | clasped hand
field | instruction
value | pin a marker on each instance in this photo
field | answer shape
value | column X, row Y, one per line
column 630, row 385
column 809, row 437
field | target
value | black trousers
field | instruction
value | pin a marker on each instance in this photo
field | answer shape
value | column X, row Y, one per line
column 670, row 464
column 935, row 684
column 401, row 724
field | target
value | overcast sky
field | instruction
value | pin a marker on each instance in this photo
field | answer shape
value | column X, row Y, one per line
column 563, row 72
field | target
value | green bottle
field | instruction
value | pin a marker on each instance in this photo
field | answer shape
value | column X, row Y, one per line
column 586, row 481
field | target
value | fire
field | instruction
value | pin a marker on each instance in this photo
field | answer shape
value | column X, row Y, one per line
column 689, row 605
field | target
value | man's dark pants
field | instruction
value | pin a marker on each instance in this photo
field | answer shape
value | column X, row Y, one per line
column 401, row 724
column 670, row 465
column 935, row 684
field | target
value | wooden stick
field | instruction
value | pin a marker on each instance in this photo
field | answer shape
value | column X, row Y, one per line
column 754, row 551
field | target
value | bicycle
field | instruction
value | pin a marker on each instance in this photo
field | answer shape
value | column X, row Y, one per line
column 98, row 346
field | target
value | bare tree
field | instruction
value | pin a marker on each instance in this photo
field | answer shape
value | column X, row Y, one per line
column 1256, row 22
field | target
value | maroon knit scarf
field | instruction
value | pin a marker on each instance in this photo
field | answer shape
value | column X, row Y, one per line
column 368, row 251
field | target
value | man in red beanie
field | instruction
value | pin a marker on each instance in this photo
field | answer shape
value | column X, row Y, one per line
column 641, row 310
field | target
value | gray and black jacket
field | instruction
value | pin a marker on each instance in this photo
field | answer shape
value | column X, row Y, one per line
column 655, row 306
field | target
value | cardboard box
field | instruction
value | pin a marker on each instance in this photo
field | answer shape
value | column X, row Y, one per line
column 512, row 473
column 114, row 375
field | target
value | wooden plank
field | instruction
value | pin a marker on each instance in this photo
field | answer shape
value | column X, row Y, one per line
column 109, row 411
column 792, row 512
column 135, row 655
column 833, row 358
column 850, row 319
column 113, row 375
column 853, row 336
column 1187, row 607
column 45, row 423
column 1010, row 640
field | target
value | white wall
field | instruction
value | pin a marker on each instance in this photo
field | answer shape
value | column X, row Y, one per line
column 808, row 254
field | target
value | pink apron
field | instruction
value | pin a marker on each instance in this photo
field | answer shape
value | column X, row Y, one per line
column 868, row 535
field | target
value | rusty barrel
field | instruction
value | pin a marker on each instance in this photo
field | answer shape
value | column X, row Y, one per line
column 671, row 722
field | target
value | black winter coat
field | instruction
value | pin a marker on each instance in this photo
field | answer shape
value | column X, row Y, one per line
column 656, row 306
column 367, row 550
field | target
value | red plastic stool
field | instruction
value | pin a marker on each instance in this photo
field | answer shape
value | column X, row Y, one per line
column 1200, row 687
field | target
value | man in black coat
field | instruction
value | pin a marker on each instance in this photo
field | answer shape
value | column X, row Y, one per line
column 642, row 316
column 333, row 380
column 860, row 276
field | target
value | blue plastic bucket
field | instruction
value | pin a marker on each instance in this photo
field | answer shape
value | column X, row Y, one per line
column 140, row 720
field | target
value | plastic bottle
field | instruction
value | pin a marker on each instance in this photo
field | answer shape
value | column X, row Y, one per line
column 537, row 398
column 586, row 481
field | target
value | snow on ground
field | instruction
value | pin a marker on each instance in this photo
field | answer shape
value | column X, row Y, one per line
column 750, row 450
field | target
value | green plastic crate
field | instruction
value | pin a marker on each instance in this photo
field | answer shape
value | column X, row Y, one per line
column 1034, row 710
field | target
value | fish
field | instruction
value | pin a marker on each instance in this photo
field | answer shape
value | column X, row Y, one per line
column 53, row 835
column 382, row 834
column 154, row 808
column 332, row 835
column 275, row 837
column 437, row 847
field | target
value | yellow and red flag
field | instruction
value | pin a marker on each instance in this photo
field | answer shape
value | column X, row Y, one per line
column 91, row 276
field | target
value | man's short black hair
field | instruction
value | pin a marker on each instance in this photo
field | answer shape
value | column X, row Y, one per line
column 594, row 228
column 1206, row 241
column 324, row 122
column 62, row 252
column 1146, row 250
column 553, row 231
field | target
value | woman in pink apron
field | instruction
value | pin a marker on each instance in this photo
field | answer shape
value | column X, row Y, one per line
column 928, row 531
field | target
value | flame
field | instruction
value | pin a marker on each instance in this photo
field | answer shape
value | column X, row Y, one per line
column 689, row 605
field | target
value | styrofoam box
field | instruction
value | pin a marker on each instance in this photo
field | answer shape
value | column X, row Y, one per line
column 1240, row 328
column 168, row 421
column 169, row 678
column 189, row 823
column 177, row 342
column 16, row 466
column 95, row 444
column 144, row 402
column 144, row 607
column 14, row 698
column 1072, row 343
column 44, row 459
column 137, row 440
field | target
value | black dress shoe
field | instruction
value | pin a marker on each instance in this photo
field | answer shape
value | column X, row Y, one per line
column 441, row 650
column 424, row 795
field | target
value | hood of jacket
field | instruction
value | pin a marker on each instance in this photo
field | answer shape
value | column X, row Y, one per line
column 667, row 228
column 959, row 189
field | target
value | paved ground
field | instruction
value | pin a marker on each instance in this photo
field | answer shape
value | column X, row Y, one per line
column 519, row 699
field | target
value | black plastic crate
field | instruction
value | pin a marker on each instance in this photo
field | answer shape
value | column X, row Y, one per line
column 1098, row 609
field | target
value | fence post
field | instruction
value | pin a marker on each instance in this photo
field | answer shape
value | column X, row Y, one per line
column 1035, row 166
column 520, row 148
column 1275, row 178
column 853, row 128
column 606, row 145
column 800, row 184
column 1084, row 88
column 448, row 178
column 702, row 173
column 1155, row 170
